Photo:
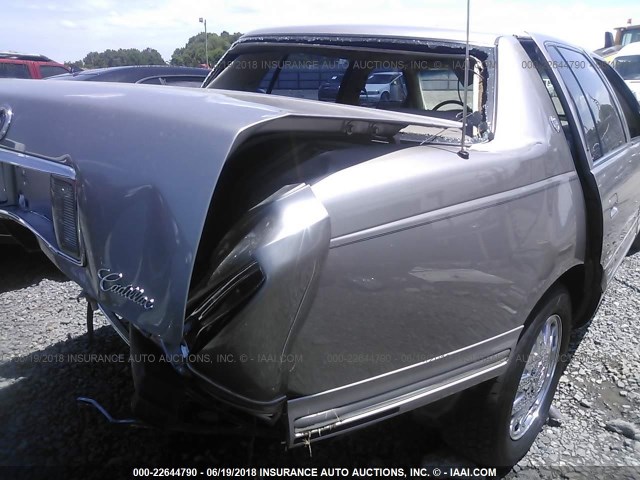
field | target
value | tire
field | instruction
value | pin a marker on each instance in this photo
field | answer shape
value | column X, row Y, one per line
column 481, row 425
column 385, row 97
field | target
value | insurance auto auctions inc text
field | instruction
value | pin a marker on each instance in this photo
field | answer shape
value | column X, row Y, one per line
column 369, row 472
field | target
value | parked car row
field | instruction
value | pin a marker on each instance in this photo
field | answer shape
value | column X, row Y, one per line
column 143, row 74
column 380, row 87
column 18, row 65
column 21, row 65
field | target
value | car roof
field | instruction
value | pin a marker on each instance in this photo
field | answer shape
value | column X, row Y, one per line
column 630, row 49
column 34, row 57
column 158, row 69
column 476, row 38
column 133, row 73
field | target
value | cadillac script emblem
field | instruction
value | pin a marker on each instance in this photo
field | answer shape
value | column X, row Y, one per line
column 112, row 282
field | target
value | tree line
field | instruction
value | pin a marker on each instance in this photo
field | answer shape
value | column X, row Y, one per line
column 191, row 55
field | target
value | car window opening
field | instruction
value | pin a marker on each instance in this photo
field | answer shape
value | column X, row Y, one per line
column 429, row 84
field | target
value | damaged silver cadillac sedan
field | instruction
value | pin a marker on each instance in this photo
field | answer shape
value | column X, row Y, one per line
column 309, row 267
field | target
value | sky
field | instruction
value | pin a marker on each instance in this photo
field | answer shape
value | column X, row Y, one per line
column 66, row 30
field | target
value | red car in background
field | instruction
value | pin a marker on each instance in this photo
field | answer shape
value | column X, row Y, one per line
column 20, row 65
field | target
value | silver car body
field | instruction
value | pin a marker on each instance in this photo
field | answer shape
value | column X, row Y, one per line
column 378, row 286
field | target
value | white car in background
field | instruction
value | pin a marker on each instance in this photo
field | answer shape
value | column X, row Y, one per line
column 627, row 64
column 384, row 87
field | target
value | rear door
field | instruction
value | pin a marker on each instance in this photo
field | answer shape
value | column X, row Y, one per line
column 612, row 150
column 630, row 188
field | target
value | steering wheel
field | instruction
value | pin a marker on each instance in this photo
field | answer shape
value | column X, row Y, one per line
column 448, row 102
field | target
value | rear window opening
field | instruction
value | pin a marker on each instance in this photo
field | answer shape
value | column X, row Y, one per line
column 427, row 83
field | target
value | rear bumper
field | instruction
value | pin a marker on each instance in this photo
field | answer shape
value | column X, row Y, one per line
column 178, row 400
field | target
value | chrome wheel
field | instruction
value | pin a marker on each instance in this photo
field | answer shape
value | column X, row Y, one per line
column 536, row 377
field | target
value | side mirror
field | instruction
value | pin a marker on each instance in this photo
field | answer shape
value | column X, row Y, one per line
column 608, row 39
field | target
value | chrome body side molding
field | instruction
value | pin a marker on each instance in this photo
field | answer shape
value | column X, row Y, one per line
column 452, row 211
column 332, row 412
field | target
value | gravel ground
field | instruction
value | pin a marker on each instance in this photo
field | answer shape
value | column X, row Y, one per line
column 593, row 434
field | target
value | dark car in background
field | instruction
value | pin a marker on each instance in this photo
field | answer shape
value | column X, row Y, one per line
column 328, row 91
column 147, row 74
column 23, row 65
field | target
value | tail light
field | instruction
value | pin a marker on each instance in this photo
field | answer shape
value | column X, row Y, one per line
column 212, row 314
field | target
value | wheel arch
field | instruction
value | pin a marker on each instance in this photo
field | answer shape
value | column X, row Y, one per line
column 584, row 301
